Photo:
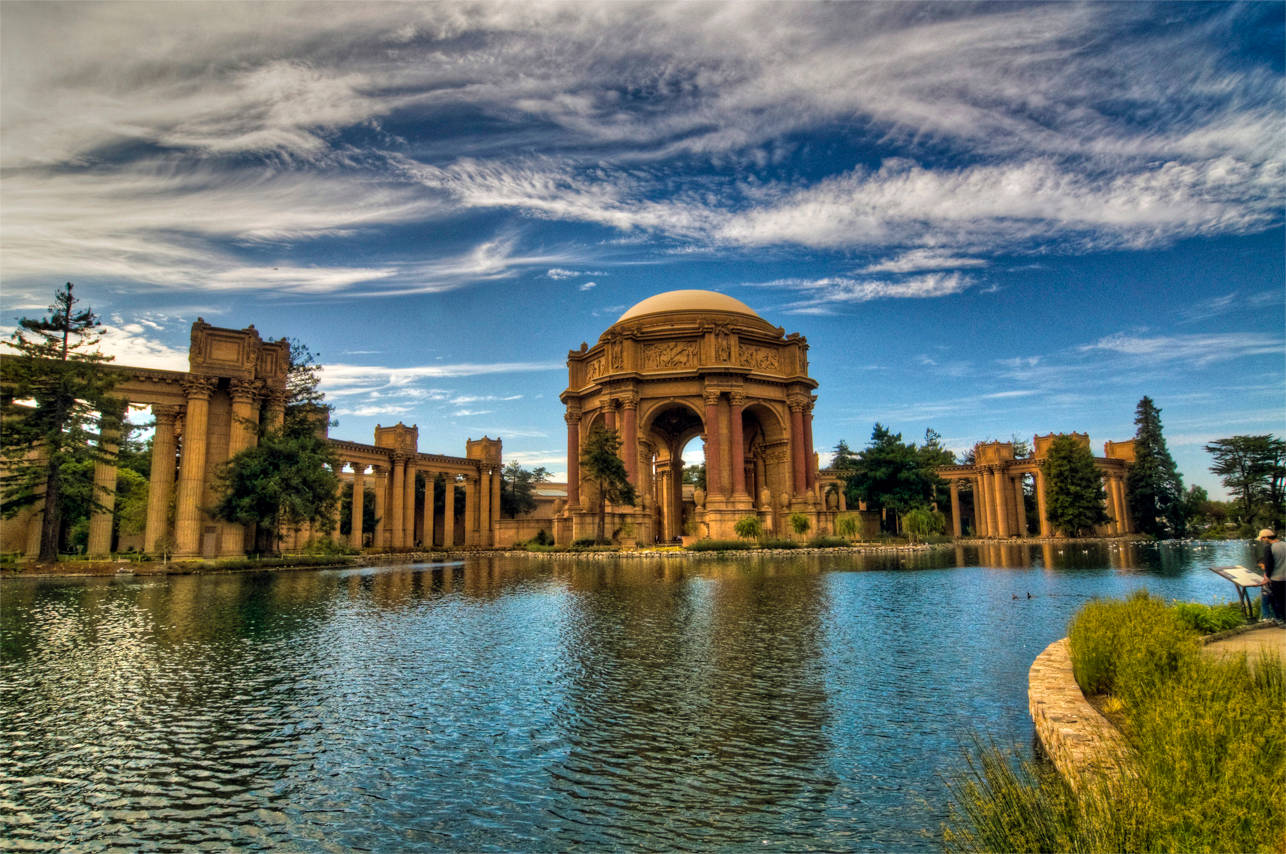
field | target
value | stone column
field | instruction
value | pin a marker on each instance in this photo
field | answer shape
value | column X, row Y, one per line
column 334, row 534
column 738, row 401
column 1046, row 530
column 397, row 512
column 100, row 517
column 408, row 506
column 572, row 417
column 355, row 536
column 810, row 470
column 448, row 510
column 630, row 446
column 1020, row 506
column 161, row 483
column 1003, row 502
column 430, row 489
column 242, row 434
column 714, row 456
column 378, row 540
column 609, row 415
column 494, row 516
column 275, row 410
column 187, row 512
column 797, row 444
column 954, row 486
column 484, row 508
column 471, row 510
column 981, row 505
column 676, row 492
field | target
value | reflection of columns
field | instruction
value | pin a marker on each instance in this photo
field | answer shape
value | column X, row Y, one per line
column 1041, row 512
column 397, row 513
column 187, row 513
column 100, row 517
column 448, row 510
column 355, row 538
column 714, row 472
column 738, row 445
column 630, row 447
column 430, row 487
column 810, row 470
column 798, row 478
column 471, row 510
column 161, row 483
column 572, row 417
column 408, row 506
column 954, row 486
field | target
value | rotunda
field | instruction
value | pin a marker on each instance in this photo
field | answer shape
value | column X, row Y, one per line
column 693, row 363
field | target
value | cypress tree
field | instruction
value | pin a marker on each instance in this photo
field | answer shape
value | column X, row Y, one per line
column 1153, row 484
column 1074, row 495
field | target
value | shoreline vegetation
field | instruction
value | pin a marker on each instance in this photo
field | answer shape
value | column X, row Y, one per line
column 1205, row 764
column 142, row 564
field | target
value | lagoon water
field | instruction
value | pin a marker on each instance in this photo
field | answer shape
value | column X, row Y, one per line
column 812, row 702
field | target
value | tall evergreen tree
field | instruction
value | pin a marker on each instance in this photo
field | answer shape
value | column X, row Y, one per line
column 601, row 462
column 517, row 488
column 1253, row 468
column 1074, row 495
column 57, row 398
column 1154, row 486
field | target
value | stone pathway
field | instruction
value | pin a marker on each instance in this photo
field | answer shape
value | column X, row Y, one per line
column 1265, row 637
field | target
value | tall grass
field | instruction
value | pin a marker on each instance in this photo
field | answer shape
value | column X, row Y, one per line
column 1206, row 769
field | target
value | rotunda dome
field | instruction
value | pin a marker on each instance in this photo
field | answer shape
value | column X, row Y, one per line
column 690, row 300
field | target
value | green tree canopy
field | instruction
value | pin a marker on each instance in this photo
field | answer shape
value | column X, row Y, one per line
column 517, row 488
column 1074, row 495
column 1253, row 469
column 57, row 398
column 290, row 477
column 600, row 461
column 1153, row 484
column 891, row 474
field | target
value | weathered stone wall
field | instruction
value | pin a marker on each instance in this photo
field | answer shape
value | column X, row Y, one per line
column 1078, row 739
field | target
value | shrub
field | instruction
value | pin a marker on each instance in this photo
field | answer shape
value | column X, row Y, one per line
column 1208, row 619
column 720, row 546
column 799, row 523
column 823, row 541
column 778, row 544
column 848, row 526
column 1116, row 644
column 749, row 528
column 586, row 542
column 542, row 538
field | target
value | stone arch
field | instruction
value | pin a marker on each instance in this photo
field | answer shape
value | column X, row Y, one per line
column 685, row 363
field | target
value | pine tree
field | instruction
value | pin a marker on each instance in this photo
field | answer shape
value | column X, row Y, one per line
column 1154, row 486
column 600, row 460
column 57, row 396
column 1074, row 495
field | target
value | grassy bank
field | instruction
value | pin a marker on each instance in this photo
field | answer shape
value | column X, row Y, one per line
column 1207, row 768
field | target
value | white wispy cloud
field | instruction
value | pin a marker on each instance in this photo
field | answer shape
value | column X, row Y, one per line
column 1198, row 349
column 821, row 296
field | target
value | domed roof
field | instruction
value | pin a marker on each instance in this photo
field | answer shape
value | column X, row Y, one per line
column 688, row 301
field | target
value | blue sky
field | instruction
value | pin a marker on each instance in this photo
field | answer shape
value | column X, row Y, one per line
column 989, row 219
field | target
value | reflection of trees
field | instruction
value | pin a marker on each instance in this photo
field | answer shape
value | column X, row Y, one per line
column 696, row 710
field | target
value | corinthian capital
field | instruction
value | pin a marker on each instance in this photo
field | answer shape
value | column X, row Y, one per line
column 199, row 388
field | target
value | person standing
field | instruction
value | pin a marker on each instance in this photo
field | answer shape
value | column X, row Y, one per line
column 1272, row 563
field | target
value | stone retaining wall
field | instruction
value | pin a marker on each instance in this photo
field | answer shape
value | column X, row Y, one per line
column 1079, row 740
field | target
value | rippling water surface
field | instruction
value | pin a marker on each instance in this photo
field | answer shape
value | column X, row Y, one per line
column 806, row 703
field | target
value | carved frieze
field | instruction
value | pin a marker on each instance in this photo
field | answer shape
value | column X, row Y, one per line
column 759, row 358
column 670, row 354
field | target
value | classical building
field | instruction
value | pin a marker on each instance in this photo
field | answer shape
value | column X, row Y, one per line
column 695, row 363
column 235, row 381
column 996, row 479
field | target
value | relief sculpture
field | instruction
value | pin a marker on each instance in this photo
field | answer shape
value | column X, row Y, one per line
column 670, row 354
column 759, row 359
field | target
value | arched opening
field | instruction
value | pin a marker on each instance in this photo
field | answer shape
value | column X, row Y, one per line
column 670, row 431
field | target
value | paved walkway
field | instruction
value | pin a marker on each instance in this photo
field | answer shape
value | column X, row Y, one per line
column 1265, row 637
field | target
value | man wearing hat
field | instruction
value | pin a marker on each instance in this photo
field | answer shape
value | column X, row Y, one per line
column 1272, row 562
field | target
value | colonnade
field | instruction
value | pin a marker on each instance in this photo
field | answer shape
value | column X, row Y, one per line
column 999, row 506
column 402, row 523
